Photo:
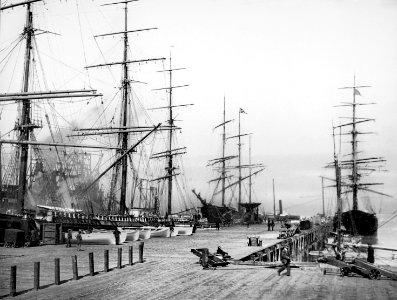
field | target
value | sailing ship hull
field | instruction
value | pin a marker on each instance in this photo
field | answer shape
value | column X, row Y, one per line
column 216, row 214
column 360, row 222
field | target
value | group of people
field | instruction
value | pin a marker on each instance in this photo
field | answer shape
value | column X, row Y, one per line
column 79, row 239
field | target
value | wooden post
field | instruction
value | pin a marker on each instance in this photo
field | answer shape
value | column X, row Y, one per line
column 130, row 255
column 36, row 276
column 141, row 252
column 74, row 267
column 57, row 271
column 91, row 263
column 119, row 252
column 106, row 261
column 13, row 281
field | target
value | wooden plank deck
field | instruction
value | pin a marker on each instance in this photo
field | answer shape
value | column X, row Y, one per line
column 171, row 271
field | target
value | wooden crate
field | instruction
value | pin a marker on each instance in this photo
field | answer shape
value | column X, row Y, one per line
column 52, row 233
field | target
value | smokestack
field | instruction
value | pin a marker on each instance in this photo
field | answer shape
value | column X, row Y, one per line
column 280, row 203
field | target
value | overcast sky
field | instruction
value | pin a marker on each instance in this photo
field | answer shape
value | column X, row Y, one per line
column 281, row 61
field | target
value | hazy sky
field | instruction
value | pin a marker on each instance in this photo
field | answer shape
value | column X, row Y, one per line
column 281, row 61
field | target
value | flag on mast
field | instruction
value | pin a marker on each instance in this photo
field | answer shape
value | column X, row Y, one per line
column 356, row 92
column 242, row 111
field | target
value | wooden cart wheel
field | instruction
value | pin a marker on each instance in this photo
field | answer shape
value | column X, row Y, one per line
column 374, row 274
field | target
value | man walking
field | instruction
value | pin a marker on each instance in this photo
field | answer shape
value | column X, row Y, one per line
column 286, row 260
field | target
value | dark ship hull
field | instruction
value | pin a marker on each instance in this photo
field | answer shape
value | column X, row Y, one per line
column 360, row 222
column 216, row 214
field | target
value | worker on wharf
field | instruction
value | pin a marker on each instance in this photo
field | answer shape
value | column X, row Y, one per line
column 286, row 260
column 79, row 239
column 69, row 238
column 370, row 253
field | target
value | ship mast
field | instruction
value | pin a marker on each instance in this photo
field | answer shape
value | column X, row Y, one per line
column 25, row 124
column 123, row 135
column 338, row 190
column 250, row 177
column 170, row 167
column 353, row 163
column 239, row 160
column 223, row 173
column 222, row 159
column 171, row 152
column 354, row 150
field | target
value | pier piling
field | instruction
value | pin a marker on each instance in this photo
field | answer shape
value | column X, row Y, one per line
column 141, row 252
column 91, row 263
column 57, row 270
column 36, row 276
column 106, row 261
column 130, row 256
column 119, row 257
column 74, row 267
column 13, row 281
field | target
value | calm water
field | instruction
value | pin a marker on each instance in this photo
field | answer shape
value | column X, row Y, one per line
column 385, row 237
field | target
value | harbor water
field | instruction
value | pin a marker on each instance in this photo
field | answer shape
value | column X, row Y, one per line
column 385, row 237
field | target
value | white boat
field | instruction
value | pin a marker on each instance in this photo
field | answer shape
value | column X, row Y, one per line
column 174, row 231
column 183, row 230
column 162, row 232
column 144, row 234
column 132, row 234
column 98, row 237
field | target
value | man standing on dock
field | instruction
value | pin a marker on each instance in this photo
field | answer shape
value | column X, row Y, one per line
column 116, row 233
column 79, row 239
column 286, row 260
column 370, row 254
column 69, row 239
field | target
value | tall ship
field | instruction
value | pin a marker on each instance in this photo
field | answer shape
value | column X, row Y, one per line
column 351, row 172
column 80, row 154
column 231, row 209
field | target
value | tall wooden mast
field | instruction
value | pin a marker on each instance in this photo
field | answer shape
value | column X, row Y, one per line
column 222, row 160
column 171, row 152
column 170, row 167
column 239, row 160
column 223, row 173
column 250, row 177
column 25, row 126
column 274, row 201
column 123, row 134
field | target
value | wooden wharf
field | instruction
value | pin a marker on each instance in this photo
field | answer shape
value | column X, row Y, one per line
column 170, row 271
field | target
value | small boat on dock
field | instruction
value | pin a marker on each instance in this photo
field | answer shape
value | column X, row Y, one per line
column 132, row 234
column 158, row 232
column 98, row 237
column 144, row 234
column 182, row 230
